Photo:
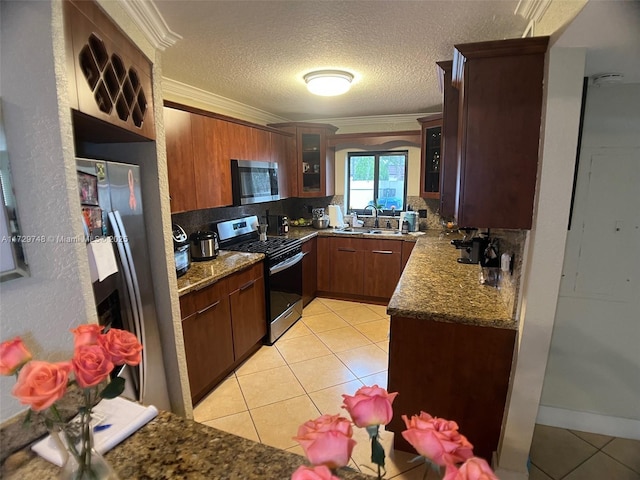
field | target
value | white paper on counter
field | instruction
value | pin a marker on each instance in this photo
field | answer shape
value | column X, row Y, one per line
column 102, row 259
column 124, row 416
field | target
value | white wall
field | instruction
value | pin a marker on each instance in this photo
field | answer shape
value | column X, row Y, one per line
column 592, row 378
column 57, row 296
column 544, row 255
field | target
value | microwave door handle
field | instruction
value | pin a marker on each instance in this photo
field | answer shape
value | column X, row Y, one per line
column 134, row 292
column 290, row 262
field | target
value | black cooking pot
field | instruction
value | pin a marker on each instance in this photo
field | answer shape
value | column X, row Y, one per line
column 204, row 246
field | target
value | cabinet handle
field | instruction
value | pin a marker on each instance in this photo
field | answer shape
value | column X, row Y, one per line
column 189, row 316
column 385, row 252
column 208, row 308
column 247, row 285
column 350, row 250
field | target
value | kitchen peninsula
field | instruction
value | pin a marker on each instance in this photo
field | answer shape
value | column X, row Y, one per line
column 171, row 447
column 451, row 345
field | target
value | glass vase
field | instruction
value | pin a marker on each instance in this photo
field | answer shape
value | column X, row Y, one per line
column 83, row 461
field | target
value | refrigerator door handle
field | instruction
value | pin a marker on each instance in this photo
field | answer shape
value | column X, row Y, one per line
column 133, row 290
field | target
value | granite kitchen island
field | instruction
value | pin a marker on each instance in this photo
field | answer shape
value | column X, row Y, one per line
column 451, row 345
column 171, row 447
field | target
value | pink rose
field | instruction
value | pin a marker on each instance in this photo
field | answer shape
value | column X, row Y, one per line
column 86, row 334
column 13, row 355
column 320, row 472
column 123, row 346
column 370, row 406
column 437, row 439
column 91, row 364
column 474, row 468
column 40, row 384
column 327, row 440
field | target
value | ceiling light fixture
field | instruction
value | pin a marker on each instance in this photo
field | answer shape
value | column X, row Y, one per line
column 328, row 83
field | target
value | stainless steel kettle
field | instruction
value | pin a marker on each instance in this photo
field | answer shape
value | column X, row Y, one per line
column 204, row 245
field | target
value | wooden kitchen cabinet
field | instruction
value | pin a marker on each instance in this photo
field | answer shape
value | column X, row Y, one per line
column 463, row 373
column 199, row 170
column 208, row 340
column 315, row 160
column 407, row 248
column 111, row 78
column 247, row 300
column 309, row 270
column 222, row 324
column 500, row 104
column 180, row 168
column 347, row 266
column 382, row 267
column 449, row 146
column 359, row 268
column 283, row 153
column 430, row 156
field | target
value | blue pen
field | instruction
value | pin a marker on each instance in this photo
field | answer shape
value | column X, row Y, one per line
column 99, row 428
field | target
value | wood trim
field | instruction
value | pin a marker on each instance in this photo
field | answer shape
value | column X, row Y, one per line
column 330, row 128
column 374, row 138
column 225, row 118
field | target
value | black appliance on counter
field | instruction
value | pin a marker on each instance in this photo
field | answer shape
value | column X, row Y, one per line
column 204, row 246
column 180, row 250
column 282, row 270
column 478, row 249
column 278, row 225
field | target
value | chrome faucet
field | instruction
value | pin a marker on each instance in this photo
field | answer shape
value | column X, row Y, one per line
column 374, row 210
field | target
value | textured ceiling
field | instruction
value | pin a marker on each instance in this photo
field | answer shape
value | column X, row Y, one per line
column 256, row 52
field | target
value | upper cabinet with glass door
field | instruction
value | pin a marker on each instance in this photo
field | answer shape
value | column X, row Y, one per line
column 430, row 156
column 314, row 160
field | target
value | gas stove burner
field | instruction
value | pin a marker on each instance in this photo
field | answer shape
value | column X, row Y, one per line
column 269, row 246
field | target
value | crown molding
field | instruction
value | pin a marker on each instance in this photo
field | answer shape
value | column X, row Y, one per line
column 183, row 93
column 532, row 10
column 149, row 20
column 196, row 97
column 374, row 119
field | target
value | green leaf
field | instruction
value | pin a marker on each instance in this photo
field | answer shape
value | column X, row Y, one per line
column 377, row 452
column 27, row 418
column 114, row 389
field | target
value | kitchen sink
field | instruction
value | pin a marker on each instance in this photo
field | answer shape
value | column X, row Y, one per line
column 371, row 231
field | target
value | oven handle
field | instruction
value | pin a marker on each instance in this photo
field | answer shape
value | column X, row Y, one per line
column 289, row 262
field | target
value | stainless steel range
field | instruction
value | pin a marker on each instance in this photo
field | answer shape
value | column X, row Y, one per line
column 282, row 270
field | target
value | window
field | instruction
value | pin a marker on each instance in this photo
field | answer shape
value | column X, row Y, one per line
column 380, row 176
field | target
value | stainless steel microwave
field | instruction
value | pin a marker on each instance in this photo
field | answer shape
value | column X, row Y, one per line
column 254, row 182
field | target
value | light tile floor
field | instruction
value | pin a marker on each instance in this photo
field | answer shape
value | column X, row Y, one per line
column 336, row 348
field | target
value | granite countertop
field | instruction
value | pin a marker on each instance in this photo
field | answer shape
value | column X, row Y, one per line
column 171, row 447
column 306, row 233
column 435, row 286
column 202, row 274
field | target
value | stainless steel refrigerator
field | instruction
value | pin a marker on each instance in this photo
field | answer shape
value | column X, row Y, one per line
column 112, row 207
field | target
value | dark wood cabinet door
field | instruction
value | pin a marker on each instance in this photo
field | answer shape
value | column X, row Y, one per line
column 430, row 156
column 260, row 145
column 407, row 248
column 182, row 189
column 324, row 260
column 283, row 153
column 208, row 338
column 309, row 271
column 382, row 267
column 500, row 87
column 347, row 266
column 466, row 369
column 449, row 147
column 248, row 311
column 208, row 174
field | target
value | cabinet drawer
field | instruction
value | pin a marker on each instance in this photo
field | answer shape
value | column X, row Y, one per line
column 346, row 244
column 244, row 278
column 382, row 246
column 199, row 301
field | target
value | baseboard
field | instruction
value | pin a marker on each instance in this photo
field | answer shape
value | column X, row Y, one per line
column 589, row 422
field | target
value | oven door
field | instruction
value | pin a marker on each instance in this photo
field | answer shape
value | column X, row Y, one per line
column 285, row 296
